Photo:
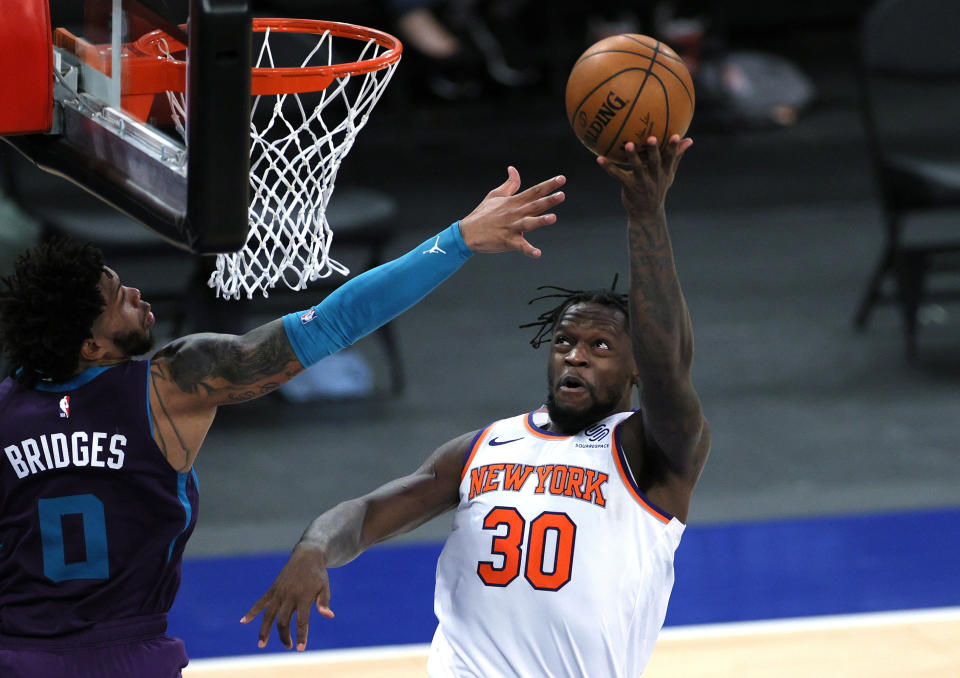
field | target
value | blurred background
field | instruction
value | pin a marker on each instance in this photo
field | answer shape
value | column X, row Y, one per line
column 835, row 473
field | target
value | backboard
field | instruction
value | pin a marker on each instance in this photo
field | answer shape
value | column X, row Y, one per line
column 181, row 170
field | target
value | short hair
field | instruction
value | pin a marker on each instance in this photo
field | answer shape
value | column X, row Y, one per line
column 47, row 308
column 547, row 320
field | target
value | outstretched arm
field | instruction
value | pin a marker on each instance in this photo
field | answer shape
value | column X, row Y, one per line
column 345, row 531
column 668, row 437
column 192, row 376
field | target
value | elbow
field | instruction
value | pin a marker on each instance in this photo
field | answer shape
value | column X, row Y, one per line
column 666, row 361
column 699, row 450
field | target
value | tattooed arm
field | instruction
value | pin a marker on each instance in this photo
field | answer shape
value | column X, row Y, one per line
column 191, row 377
column 667, row 441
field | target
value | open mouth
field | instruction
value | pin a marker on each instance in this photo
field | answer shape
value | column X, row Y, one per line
column 571, row 384
column 148, row 318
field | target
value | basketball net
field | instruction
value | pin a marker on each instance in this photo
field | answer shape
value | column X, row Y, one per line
column 298, row 140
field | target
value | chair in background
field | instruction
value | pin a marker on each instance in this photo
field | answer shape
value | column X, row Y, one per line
column 910, row 102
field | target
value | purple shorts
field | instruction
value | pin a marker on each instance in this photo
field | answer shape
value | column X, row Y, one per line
column 135, row 648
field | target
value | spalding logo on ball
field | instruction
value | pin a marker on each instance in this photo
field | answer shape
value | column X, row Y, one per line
column 628, row 88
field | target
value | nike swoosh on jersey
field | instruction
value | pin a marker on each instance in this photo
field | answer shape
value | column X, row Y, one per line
column 494, row 441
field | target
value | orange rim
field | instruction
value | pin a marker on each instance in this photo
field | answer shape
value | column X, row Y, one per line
column 315, row 78
column 170, row 73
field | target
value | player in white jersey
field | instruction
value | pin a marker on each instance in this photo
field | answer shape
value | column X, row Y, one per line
column 573, row 539
column 560, row 561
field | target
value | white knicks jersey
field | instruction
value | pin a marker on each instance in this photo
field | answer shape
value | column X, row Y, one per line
column 556, row 565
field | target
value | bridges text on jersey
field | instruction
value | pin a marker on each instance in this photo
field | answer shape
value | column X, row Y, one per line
column 58, row 450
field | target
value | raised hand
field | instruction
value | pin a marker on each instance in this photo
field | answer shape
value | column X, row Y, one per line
column 302, row 582
column 647, row 174
column 500, row 221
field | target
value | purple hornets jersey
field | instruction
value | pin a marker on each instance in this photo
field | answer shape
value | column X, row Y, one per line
column 93, row 520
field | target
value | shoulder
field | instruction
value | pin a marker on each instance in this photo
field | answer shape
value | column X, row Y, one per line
column 194, row 351
column 614, row 421
column 191, row 364
column 457, row 454
column 450, row 459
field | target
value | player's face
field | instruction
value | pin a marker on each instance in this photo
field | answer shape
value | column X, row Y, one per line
column 124, row 326
column 591, row 369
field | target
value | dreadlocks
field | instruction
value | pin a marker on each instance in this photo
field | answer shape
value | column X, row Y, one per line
column 548, row 319
column 47, row 309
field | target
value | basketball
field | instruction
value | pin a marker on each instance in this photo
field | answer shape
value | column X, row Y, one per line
column 627, row 88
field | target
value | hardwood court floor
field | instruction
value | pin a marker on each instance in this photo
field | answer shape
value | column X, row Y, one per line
column 919, row 644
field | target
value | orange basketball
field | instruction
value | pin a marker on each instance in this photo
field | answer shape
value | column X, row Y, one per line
column 627, row 88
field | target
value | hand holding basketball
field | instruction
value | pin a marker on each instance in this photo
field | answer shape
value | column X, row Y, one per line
column 628, row 88
column 647, row 174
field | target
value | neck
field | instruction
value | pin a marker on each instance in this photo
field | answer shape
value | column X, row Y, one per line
column 573, row 429
column 85, row 365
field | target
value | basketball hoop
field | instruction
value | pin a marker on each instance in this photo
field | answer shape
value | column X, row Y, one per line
column 309, row 104
column 296, row 149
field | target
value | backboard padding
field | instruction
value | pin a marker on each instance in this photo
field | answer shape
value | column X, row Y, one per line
column 26, row 64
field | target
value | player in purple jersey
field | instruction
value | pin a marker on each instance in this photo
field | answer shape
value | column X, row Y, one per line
column 97, row 490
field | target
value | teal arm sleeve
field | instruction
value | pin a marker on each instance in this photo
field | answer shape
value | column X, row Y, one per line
column 374, row 298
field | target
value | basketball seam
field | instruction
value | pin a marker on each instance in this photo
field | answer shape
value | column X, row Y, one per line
column 666, row 108
column 636, row 97
column 636, row 68
column 612, row 51
column 679, row 80
column 657, row 47
column 653, row 59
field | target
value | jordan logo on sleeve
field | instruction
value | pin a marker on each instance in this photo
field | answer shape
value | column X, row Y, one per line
column 436, row 248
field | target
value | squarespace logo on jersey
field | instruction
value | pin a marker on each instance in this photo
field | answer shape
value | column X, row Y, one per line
column 80, row 449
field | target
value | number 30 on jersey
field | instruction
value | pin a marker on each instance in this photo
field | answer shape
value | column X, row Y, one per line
column 539, row 569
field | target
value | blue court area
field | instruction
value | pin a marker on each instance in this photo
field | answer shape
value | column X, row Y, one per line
column 724, row 573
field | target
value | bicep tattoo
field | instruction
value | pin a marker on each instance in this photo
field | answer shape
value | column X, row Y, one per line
column 235, row 368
